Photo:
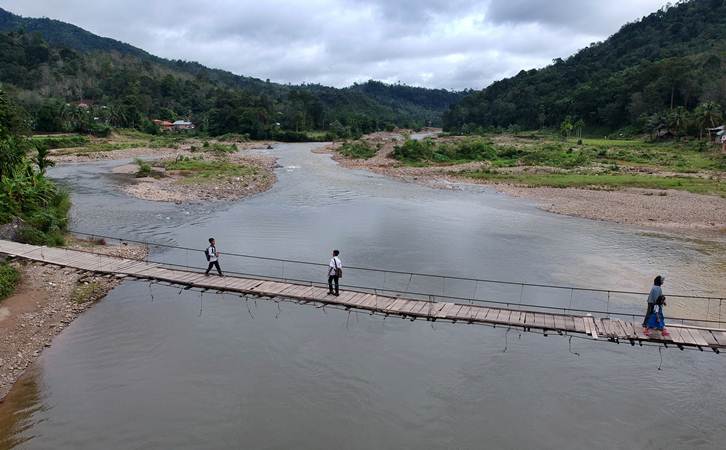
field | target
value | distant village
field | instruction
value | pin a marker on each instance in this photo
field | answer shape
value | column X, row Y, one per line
column 179, row 125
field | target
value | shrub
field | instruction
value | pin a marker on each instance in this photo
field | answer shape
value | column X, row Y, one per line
column 144, row 168
column 357, row 150
column 9, row 278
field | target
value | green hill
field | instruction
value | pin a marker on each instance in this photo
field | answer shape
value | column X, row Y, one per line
column 651, row 75
column 48, row 66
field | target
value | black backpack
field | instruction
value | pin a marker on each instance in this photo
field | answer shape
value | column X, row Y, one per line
column 206, row 253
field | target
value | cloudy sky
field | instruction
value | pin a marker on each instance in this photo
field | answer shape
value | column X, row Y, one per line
column 453, row 44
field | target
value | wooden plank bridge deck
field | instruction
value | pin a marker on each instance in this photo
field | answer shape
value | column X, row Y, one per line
column 611, row 329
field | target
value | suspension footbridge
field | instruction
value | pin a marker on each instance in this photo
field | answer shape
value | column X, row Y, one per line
column 613, row 326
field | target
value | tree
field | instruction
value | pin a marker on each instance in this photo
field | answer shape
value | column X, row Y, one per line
column 579, row 125
column 12, row 145
column 708, row 113
column 677, row 120
column 566, row 127
column 41, row 158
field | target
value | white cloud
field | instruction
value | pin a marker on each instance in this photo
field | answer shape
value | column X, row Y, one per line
column 453, row 44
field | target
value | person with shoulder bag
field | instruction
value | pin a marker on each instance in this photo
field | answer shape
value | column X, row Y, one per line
column 335, row 273
column 212, row 257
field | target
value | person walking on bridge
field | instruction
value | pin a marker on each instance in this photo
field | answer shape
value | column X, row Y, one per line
column 212, row 257
column 656, row 292
column 335, row 272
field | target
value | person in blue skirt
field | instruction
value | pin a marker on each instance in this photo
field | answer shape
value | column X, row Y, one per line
column 656, row 320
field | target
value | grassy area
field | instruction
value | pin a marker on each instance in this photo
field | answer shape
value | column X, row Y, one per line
column 682, row 157
column 358, row 150
column 9, row 279
column 198, row 170
column 87, row 292
column 120, row 139
column 605, row 181
column 60, row 141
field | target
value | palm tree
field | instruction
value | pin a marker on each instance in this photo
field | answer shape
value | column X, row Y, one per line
column 579, row 125
column 708, row 113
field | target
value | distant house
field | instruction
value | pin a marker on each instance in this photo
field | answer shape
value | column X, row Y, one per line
column 164, row 125
column 717, row 134
column 83, row 105
column 182, row 125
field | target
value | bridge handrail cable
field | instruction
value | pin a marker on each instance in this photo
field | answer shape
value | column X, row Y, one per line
column 397, row 272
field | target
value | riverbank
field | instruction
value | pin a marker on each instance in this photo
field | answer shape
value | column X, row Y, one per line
column 600, row 195
column 47, row 300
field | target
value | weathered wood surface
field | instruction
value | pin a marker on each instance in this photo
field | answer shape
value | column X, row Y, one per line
column 615, row 330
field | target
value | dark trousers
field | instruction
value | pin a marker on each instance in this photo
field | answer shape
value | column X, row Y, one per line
column 331, row 279
column 647, row 314
column 214, row 264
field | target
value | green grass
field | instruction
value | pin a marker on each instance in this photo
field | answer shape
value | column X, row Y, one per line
column 87, row 292
column 675, row 156
column 197, row 170
column 605, row 181
column 9, row 279
column 357, row 150
column 53, row 141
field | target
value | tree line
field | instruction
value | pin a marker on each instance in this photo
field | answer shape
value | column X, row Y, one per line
column 63, row 89
column 664, row 73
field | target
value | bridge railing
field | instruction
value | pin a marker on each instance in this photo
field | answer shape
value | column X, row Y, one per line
column 693, row 310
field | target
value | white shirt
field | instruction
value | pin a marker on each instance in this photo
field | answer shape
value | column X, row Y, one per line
column 212, row 252
column 334, row 264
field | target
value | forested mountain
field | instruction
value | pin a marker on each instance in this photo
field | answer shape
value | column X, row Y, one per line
column 651, row 74
column 50, row 66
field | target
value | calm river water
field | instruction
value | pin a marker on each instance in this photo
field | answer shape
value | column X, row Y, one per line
column 150, row 367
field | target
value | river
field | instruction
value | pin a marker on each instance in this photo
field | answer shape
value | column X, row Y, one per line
column 152, row 367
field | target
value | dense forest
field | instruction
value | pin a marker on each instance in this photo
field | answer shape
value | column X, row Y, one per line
column 49, row 67
column 664, row 75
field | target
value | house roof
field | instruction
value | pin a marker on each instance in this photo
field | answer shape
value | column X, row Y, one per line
column 181, row 122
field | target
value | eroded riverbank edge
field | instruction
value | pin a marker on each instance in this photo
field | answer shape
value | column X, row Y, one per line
column 660, row 210
column 45, row 302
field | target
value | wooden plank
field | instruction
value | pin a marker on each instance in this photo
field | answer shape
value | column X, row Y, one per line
column 481, row 314
column 720, row 337
column 382, row 303
column 627, row 328
column 539, row 321
column 619, row 331
column 350, row 298
column 529, row 319
column 422, row 308
column 696, row 335
column 463, row 312
column 516, row 318
column 364, row 298
column 677, row 337
column 591, row 324
column 396, row 305
column 445, row 309
column 708, row 337
column 560, row 323
column 413, row 306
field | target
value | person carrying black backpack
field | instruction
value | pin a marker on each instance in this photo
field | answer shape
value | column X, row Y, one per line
column 213, row 257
